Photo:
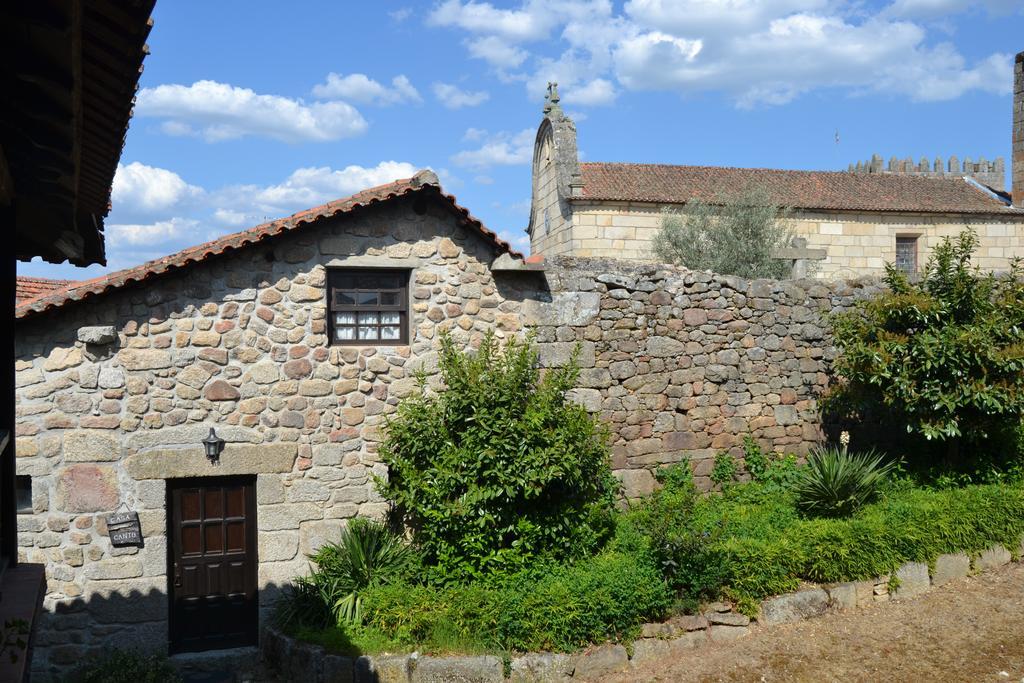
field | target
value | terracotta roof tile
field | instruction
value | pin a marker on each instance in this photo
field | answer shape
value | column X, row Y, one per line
column 825, row 190
column 27, row 287
column 424, row 181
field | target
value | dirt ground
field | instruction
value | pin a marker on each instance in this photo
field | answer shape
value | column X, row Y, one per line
column 969, row 630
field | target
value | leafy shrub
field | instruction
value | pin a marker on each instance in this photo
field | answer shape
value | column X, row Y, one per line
column 835, row 483
column 127, row 666
column 308, row 601
column 766, row 547
column 724, row 472
column 733, row 234
column 752, row 541
column 367, row 554
column 942, row 357
column 499, row 469
column 561, row 608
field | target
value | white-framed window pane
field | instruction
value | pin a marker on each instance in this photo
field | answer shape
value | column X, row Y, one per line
column 390, row 332
column 345, row 333
column 390, row 318
column 367, row 332
column 369, row 318
column 344, row 318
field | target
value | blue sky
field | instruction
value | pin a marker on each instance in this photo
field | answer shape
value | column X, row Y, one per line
column 251, row 111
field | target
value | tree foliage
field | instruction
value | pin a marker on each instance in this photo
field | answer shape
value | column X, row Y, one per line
column 943, row 355
column 732, row 235
column 498, row 469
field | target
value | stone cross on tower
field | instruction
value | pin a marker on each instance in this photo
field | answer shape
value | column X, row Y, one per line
column 801, row 257
column 551, row 99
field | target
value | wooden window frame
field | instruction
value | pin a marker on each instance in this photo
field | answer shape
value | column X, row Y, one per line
column 401, row 307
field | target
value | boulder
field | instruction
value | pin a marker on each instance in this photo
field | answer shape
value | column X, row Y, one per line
column 793, row 607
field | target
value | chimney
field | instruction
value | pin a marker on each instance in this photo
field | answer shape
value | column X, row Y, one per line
column 1017, row 155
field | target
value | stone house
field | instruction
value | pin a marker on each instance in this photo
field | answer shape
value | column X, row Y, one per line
column 293, row 341
column 861, row 219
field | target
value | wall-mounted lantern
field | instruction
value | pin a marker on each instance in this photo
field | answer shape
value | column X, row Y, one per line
column 213, row 445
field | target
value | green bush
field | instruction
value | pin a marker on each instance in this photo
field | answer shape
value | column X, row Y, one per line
column 835, row 483
column 561, row 608
column 942, row 357
column 734, row 234
column 367, row 554
column 126, row 666
column 499, row 469
column 766, row 547
column 724, row 472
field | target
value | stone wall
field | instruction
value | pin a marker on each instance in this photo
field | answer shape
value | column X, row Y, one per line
column 990, row 173
column 857, row 244
column 679, row 364
column 554, row 176
column 683, row 364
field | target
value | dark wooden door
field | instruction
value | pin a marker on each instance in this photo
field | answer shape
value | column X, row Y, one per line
column 213, row 563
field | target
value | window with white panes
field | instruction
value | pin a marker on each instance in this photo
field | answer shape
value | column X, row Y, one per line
column 368, row 307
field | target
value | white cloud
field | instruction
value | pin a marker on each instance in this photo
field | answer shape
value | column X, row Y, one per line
column 474, row 134
column 596, row 92
column 234, row 218
column 699, row 18
column 483, row 17
column 363, row 89
column 149, row 234
column 496, row 52
column 219, row 111
column 453, row 97
column 146, row 189
column 937, row 9
column 401, row 14
column 308, row 187
column 759, row 52
column 500, row 149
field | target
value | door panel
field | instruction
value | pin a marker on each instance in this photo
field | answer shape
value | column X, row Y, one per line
column 213, row 563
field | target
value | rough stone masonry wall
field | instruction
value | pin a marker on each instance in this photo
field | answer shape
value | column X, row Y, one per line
column 238, row 343
column 683, row 364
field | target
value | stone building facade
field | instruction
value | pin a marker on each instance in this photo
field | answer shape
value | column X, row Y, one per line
column 861, row 219
column 120, row 379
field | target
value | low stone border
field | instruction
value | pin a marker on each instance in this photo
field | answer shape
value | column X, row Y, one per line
column 718, row 623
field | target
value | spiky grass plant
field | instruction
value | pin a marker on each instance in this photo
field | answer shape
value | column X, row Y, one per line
column 367, row 554
column 835, row 483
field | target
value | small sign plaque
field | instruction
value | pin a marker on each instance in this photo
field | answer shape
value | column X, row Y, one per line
column 124, row 529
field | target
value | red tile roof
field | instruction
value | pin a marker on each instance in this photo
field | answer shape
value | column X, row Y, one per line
column 825, row 190
column 27, row 287
column 424, row 181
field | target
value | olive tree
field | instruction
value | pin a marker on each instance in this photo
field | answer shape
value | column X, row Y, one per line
column 735, row 234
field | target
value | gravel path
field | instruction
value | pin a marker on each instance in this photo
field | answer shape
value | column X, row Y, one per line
column 969, row 630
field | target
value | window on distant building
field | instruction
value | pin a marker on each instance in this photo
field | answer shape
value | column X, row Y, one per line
column 368, row 307
column 23, row 493
column 906, row 254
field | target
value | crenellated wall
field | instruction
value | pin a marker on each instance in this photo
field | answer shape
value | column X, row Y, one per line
column 990, row 173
